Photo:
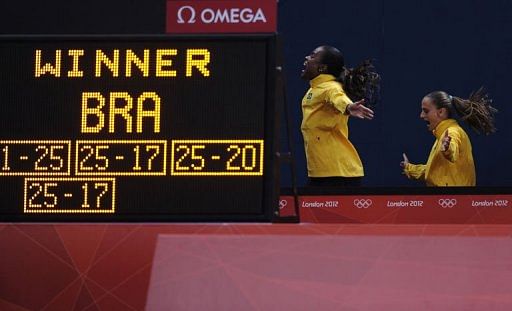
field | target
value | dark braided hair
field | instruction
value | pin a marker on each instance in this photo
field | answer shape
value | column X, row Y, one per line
column 359, row 83
column 475, row 111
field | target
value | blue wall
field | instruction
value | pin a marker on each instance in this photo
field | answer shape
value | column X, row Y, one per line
column 419, row 46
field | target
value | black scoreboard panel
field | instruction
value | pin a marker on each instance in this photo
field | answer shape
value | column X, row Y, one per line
column 152, row 128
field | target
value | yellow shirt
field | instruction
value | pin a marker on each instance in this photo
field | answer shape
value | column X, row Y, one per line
column 324, row 127
column 456, row 169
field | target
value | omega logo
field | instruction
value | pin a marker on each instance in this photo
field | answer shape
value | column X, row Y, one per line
column 282, row 204
column 192, row 12
column 187, row 15
column 363, row 203
column 447, row 203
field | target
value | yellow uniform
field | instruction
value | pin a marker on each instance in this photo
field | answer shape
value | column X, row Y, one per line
column 453, row 168
column 324, row 127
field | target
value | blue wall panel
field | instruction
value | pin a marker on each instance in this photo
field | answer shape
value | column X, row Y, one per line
column 419, row 46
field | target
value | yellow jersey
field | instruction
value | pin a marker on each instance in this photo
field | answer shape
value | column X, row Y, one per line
column 454, row 167
column 324, row 127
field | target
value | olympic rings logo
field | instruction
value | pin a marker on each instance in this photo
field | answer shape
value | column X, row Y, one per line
column 363, row 203
column 282, row 204
column 447, row 203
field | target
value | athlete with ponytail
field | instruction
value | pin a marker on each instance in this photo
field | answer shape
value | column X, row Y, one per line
column 450, row 162
column 335, row 94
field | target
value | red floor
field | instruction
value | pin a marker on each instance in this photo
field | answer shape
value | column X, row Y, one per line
column 255, row 267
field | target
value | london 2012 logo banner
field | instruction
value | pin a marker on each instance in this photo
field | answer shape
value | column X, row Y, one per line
column 221, row 16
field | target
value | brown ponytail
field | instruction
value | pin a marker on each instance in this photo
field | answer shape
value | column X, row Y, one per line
column 475, row 111
column 362, row 82
column 359, row 83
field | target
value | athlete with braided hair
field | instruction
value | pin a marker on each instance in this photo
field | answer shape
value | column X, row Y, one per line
column 335, row 94
column 450, row 162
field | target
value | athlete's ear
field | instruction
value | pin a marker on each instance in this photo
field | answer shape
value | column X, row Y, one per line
column 442, row 113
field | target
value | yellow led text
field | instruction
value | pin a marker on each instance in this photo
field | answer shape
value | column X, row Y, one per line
column 120, row 107
column 123, row 63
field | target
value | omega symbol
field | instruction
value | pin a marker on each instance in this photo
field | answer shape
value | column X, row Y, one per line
column 192, row 18
column 282, row 204
column 363, row 203
column 447, row 203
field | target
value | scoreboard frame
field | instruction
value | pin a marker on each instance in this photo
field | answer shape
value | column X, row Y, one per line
column 267, row 145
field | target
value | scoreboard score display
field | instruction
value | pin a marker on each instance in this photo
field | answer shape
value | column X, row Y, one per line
column 148, row 128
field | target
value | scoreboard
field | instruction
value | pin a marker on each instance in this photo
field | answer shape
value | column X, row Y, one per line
column 146, row 128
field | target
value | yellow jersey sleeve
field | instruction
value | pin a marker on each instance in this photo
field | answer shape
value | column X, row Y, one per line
column 338, row 98
column 415, row 171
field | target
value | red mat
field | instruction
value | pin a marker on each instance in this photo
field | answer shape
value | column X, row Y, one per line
column 255, row 267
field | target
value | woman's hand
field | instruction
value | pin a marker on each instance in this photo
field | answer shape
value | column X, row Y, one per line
column 360, row 111
column 404, row 163
column 445, row 142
